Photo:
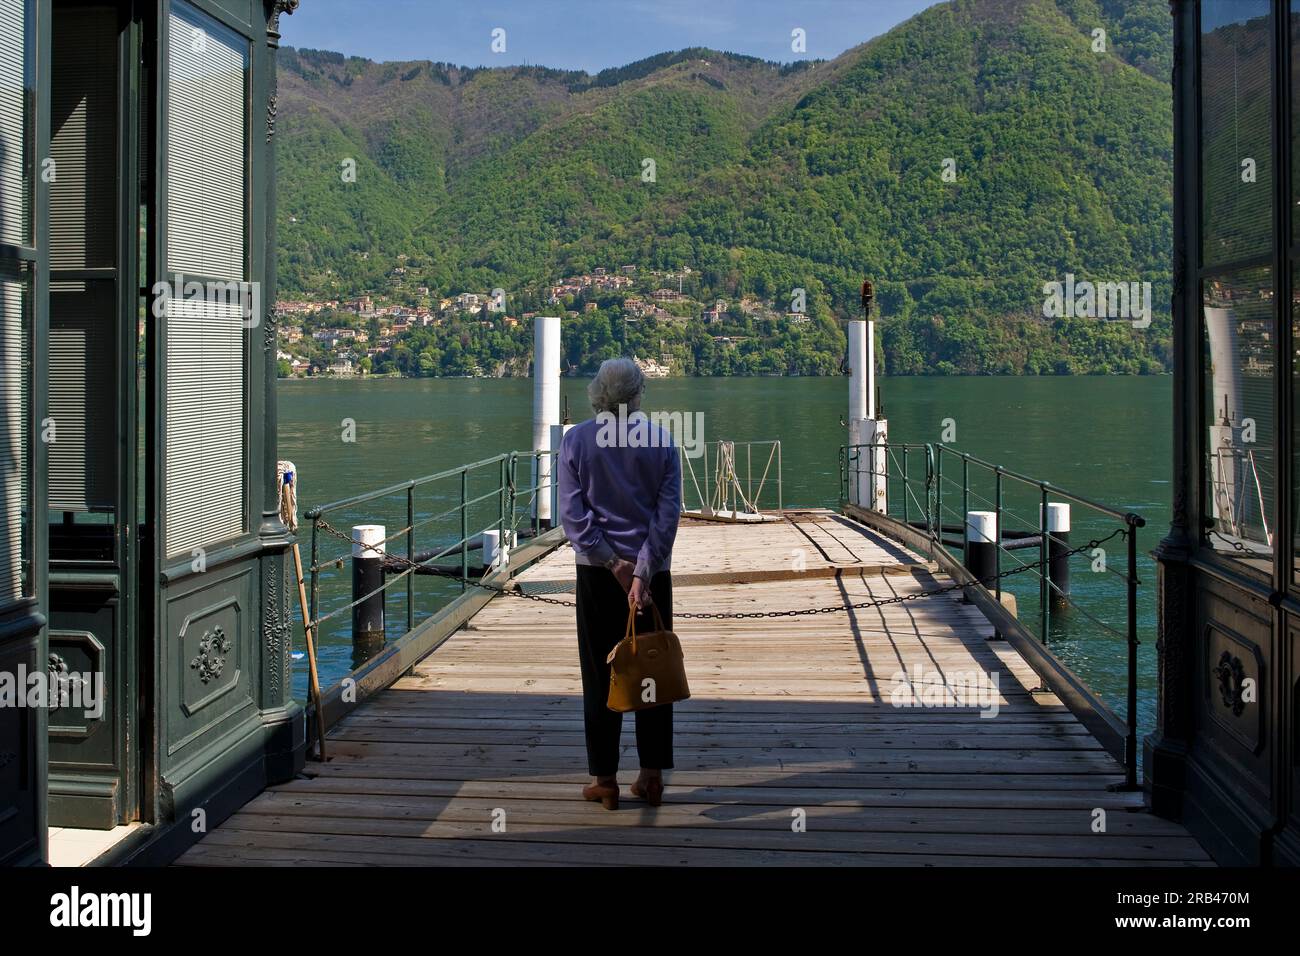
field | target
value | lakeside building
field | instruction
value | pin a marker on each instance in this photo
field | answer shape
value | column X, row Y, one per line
column 163, row 574
column 1225, row 757
column 652, row 369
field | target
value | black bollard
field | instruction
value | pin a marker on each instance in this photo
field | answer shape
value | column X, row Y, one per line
column 1058, row 547
column 981, row 546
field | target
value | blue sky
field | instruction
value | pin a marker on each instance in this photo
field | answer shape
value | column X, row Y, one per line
column 587, row 34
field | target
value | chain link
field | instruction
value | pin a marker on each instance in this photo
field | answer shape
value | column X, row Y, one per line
column 718, row 615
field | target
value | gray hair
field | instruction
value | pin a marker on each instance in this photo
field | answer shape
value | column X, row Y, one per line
column 618, row 382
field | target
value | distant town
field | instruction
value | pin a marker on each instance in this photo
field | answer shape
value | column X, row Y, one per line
column 412, row 332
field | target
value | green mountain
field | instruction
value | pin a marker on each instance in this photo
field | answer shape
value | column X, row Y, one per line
column 1056, row 140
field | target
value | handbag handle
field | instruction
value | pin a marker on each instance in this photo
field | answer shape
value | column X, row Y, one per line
column 630, row 633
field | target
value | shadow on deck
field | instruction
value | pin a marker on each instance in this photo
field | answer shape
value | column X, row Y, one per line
column 477, row 757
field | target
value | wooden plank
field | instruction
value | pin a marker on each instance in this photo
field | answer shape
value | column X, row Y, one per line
column 742, row 816
column 381, row 851
column 716, row 794
column 779, row 838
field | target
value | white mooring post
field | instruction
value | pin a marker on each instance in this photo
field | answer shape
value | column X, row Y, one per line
column 493, row 554
column 546, row 408
column 868, row 481
column 368, row 554
column 982, row 546
column 1058, row 547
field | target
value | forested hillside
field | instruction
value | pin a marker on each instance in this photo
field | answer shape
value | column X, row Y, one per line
column 771, row 177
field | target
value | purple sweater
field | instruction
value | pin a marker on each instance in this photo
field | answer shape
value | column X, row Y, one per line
column 620, row 501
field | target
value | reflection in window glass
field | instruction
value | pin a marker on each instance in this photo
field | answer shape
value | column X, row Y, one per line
column 1236, row 166
column 1239, row 350
column 1295, row 117
column 1295, row 405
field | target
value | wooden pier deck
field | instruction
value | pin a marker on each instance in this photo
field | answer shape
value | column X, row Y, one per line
column 476, row 758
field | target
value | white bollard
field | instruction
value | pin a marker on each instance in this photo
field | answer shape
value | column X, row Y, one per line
column 1058, row 547
column 981, row 545
column 546, row 407
column 368, row 553
column 493, row 556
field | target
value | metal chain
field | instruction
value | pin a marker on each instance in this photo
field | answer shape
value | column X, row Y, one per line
column 724, row 615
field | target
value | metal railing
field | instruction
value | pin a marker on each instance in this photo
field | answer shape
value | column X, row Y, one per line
column 729, row 478
column 923, row 484
column 450, row 511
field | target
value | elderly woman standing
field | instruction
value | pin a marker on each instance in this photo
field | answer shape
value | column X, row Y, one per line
column 620, row 489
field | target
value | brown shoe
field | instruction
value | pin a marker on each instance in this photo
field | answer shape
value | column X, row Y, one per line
column 653, row 792
column 605, row 793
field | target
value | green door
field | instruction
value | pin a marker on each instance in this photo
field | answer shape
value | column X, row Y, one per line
column 91, row 433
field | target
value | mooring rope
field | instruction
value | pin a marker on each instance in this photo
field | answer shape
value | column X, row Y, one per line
column 708, row 615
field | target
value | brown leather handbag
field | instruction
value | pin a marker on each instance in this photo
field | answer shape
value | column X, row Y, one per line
column 646, row 670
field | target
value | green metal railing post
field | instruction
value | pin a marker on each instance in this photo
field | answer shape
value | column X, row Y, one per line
column 512, row 495
column 1044, row 582
column 930, row 527
column 410, row 556
column 907, row 486
column 1130, row 747
column 780, row 481
column 938, row 494
column 464, row 530
column 501, row 508
column 965, row 504
column 997, row 529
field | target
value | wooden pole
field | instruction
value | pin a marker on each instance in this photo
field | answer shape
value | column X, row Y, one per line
column 311, row 650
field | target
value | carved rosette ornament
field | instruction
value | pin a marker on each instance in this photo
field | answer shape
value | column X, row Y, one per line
column 209, row 662
column 1232, row 680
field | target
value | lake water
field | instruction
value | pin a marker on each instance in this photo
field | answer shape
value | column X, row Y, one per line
column 1107, row 439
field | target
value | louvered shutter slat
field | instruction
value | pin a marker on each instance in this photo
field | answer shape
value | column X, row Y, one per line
column 15, row 192
column 13, row 440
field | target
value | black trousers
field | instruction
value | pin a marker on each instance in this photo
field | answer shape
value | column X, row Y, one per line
column 602, row 619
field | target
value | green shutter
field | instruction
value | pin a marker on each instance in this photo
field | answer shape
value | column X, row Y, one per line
column 83, row 396
column 207, row 179
column 205, row 423
column 207, row 168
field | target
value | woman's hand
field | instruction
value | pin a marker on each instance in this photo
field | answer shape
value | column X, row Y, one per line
column 623, row 571
column 639, row 593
